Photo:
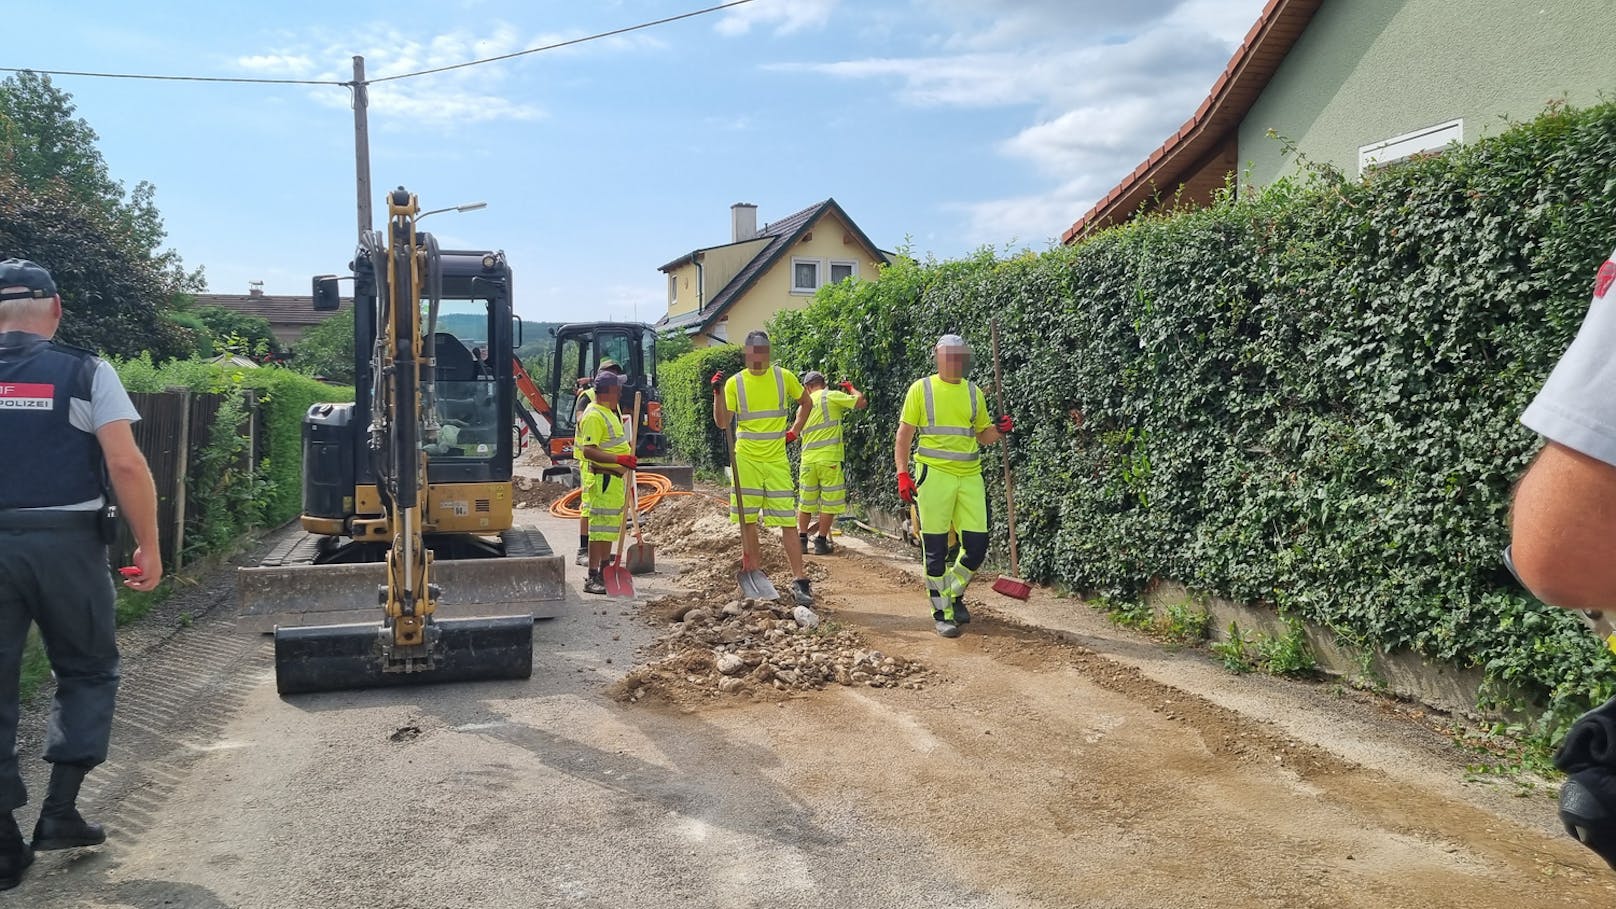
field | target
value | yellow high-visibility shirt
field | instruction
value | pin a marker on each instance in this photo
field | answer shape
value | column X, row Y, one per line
column 822, row 437
column 765, row 406
column 948, row 416
column 603, row 429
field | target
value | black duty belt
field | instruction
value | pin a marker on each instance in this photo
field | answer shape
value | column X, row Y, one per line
column 49, row 519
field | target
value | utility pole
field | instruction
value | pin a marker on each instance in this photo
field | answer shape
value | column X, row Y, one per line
column 361, row 122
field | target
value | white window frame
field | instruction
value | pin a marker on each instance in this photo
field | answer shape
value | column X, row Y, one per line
column 1420, row 141
column 673, row 289
column 830, row 273
column 819, row 274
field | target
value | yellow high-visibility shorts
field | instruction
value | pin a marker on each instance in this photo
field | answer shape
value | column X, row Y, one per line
column 767, row 492
column 822, row 488
column 606, row 498
column 947, row 500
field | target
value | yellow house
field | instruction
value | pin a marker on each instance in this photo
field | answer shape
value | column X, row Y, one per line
column 720, row 293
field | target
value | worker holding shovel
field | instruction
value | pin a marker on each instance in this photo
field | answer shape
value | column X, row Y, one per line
column 586, row 397
column 949, row 416
column 761, row 397
column 604, row 444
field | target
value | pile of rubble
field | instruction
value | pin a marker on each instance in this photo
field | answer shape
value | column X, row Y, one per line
column 757, row 648
column 527, row 492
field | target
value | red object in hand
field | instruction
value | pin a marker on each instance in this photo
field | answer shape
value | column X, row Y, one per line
column 791, row 435
column 717, row 380
column 130, row 571
column 1005, row 426
column 846, row 386
column 906, row 487
column 628, row 461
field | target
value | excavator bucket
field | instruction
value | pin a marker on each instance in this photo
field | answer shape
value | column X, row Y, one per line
column 337, row 657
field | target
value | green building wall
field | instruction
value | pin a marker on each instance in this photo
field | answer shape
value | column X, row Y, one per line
column 1368, row 70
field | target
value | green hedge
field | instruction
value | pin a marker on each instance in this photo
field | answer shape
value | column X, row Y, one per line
column 687, row 405
column 234, row 501
column 1306, row 397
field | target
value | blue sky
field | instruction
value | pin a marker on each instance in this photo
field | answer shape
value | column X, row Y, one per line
column 953, row 123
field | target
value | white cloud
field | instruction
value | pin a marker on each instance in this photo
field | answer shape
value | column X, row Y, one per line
column 1106, row 82
column 785, row 16
column 292, row 65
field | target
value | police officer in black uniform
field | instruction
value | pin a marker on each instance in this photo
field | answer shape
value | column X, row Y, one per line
column 64, row 437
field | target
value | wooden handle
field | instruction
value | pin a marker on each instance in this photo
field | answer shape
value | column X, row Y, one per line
column 1004, row 449
column 633, row 484
column 628, row 477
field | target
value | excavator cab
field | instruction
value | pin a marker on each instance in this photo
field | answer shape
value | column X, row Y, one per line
column 580, row 348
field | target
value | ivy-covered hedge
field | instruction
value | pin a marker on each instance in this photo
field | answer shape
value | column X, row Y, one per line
column 1306, row 396
column 687, row 405
column 233, row 500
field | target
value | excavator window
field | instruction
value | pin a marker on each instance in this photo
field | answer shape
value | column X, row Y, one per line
column 465, row 395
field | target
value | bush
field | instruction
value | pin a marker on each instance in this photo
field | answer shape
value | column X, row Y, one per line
column 1306, row 396
column 687, row 405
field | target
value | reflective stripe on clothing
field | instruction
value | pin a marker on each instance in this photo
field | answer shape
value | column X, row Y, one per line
column 822, row 437
column 762, row 405
column 947, row 417
column 603, row 429
column 606, row 510
column 766, row 492
column 822, row 489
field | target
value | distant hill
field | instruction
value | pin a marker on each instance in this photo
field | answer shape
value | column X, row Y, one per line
column 536, row 340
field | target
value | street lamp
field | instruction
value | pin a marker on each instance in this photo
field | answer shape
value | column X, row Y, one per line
column 469, row 206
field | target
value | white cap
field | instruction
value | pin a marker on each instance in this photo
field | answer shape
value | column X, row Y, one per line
column 951, row 341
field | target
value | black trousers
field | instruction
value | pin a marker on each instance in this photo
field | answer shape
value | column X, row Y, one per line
column 59, row 580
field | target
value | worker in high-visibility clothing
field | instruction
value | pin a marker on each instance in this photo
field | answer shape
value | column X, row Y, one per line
column 586, row 397
column 947, row 415
column 821, row 484
column 603, row 442
column 760, row 398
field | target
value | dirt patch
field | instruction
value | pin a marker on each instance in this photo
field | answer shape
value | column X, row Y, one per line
column 690, row 525
column 754, row 648
column 527, row 492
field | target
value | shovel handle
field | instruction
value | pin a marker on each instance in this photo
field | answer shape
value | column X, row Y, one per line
column 628, row 477
column 740, row 504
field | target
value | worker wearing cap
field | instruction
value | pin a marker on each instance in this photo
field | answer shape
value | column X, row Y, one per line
column 586, row 396
column 760, row 398
column 821, row 484
column 64, row 434
column 945, row 416
column 603, row 443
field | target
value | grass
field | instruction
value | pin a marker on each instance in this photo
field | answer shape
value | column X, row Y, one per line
column 1180, row 624
column 1287, row 655
column 131, row 605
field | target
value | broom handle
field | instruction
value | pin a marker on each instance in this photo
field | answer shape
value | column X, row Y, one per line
column 633, row 479
column 1004, row 449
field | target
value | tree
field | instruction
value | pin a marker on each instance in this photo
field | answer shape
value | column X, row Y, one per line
column 60, row 206
column 220, row 323
column 327, row 350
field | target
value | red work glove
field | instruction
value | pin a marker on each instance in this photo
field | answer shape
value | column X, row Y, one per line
column 718, row 381
column 628, row 461
column 1005, row 425
column 791, row 435
column 846, row 386
column 906, row 487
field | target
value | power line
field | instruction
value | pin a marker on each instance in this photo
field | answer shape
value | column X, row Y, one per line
column 560, row 44
column 349, row 83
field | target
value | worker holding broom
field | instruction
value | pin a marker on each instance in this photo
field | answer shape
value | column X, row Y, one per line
column 760, row 398
column 586, row 397
column 604, row 445
column 948, row 414
column 821, row 485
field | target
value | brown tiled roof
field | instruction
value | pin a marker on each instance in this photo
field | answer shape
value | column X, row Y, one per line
column 1213, row 124
column 785, row 233
column 278, row 309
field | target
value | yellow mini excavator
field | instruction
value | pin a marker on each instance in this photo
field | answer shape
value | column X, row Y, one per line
column 410, row 568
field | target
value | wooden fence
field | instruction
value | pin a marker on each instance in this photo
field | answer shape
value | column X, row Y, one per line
column 173, row 432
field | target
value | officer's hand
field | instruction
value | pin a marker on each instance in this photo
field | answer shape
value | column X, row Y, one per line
column 628, row 461
column 906, row 487
column 846, row 386
column 151, row 571
column 1005, row 425
column 791, row 436
column 717, row 381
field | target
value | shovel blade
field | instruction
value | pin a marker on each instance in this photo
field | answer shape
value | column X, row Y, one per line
column 619, row 583
column 641, row 558
column 756, row 585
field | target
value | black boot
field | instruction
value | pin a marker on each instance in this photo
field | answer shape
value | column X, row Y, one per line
column 60, row 824
column 15, row 856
